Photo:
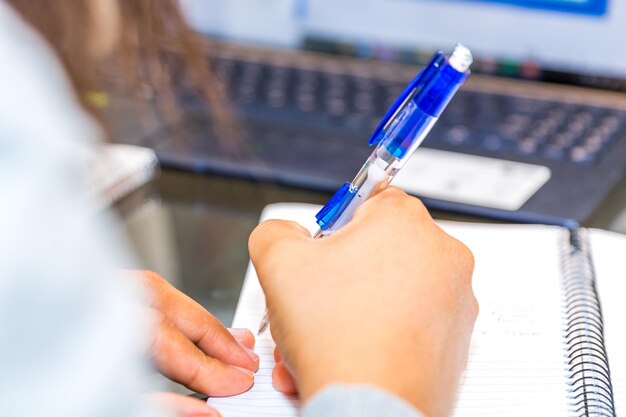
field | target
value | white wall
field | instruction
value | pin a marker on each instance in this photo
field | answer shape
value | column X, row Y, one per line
column 273, row 22
column 556, row 38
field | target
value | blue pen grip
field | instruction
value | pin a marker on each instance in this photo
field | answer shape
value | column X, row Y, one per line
column 335, row 207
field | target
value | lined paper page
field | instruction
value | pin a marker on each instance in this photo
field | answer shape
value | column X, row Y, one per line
column 609, row 250
column 516, row 365
column 263, row 399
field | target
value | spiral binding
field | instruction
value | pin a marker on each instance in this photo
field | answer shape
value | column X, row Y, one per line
column 587, row 365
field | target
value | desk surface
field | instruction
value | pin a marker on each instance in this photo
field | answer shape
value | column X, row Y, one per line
column 193, row 230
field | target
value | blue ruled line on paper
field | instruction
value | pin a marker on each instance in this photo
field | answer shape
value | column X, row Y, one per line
column 586, row 7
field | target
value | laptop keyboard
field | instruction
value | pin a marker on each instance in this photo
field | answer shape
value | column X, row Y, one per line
column 505, row 125
column 479, row 123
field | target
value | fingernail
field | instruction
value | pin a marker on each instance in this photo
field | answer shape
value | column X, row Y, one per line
column 248, row 372
column 239, row 332
column 255, row 358
column 208, row 414
column 251, row 353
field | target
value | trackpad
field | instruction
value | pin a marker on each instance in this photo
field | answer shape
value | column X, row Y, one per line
column 470, row 179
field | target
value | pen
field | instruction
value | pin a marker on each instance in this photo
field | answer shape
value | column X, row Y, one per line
column 401, row 131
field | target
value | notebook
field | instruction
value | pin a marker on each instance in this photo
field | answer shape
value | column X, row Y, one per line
column 550, row 337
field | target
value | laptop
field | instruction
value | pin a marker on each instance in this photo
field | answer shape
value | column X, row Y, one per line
column 538, row 133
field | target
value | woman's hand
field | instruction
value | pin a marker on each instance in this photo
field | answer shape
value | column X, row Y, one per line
column 193, row 348
column 385, row 301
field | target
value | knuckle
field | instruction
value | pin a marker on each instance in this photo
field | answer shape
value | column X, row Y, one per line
column 390, row 196
column 202, row 373
column 257, row 244
column 464, row 256
column 195, row 375
column 468, row 257
column 393, row 191
column 257, row 234
column 397, row 198
column 155, row 286
column 153, row 278
column 413, row 206
column 215, row 334
column 272, row 237
column 416, row 205
column 161, row 324
column 475, row 307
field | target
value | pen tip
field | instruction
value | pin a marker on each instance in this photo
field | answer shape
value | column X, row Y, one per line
column 262, row 327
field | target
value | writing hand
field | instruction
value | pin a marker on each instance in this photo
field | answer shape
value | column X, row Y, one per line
column 385, row 301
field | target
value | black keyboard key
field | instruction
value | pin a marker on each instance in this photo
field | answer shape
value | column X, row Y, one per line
column 584, row 155
column 364, row 101
column 564, row 140
column 527, row 147
column 356, row 121
column 276, row 97
column 555, row 153
column 458, row 135
column 336, row 106
column 496, row 144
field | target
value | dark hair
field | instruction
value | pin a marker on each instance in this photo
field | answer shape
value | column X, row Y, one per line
column 151, row 31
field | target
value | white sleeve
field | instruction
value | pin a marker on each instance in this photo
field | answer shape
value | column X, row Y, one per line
column 71, row 340
column 357, row 401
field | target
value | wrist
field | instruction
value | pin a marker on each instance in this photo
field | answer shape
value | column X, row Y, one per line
column 399, row 378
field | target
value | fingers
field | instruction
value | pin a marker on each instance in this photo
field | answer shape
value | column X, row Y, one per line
column 182, row 361
column 282, row 380
column 244, row 337
column 268, row 233
column 395, row 204
column 281, row 377
column 183, row 406
column 199, row 326
column 270, row 238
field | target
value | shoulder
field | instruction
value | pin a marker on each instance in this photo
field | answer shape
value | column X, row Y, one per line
column 38, row 108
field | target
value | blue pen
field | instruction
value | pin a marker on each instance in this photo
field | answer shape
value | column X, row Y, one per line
column 399, row 134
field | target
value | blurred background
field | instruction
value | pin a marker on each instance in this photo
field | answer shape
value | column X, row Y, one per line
column 538, row 133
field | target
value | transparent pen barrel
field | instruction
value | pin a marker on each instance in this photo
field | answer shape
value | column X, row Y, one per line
column 401, row 139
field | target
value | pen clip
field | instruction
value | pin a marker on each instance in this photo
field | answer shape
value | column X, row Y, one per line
column 420, row 80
